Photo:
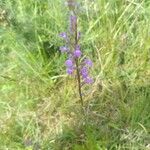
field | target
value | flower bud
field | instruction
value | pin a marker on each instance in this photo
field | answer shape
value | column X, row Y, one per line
column 77, row 53
column 71, row 4
column 63, row 35
column 63, row 49
column 88, row 80
column 88, row 62
column 84, row 72
column 70, row 71
column 69, row 63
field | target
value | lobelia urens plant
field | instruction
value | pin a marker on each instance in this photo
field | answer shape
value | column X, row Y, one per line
column 77, row 64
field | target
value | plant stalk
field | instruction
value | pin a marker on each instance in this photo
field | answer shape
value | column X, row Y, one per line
column 77, row 68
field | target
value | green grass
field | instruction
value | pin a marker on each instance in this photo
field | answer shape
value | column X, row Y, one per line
column 39, row 106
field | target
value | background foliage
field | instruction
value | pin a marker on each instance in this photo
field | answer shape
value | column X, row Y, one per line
column 39, row 106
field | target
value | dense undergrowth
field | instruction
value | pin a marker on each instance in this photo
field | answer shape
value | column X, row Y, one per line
column 39, row 106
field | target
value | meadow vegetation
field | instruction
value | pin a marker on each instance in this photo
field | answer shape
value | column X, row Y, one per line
column 39, row 103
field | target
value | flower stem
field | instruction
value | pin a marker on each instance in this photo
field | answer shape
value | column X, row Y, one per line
column 79, row 82
column 77, row 68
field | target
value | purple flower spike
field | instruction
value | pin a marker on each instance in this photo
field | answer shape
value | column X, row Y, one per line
column 69, row 63
column 88, row 80
column 76, row 62
column 63, row 35
column 88, row 62
column 77, row 53
column 63, row 49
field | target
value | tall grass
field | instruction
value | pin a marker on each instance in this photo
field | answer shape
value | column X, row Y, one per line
column 39, row 108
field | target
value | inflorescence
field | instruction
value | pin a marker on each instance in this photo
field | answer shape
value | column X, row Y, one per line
column 76, row 61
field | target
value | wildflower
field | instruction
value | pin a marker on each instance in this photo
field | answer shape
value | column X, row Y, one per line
column 63, row 35
column 69, row 63
column 88, row 80
column 84, row 72
column 63, row 49
column 88, row 62
column 77, row 53
column 75, row 63
column 70, row 70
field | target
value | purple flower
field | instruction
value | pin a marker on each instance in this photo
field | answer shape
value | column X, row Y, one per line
column 70, row 70
column 84, row 72
column 77, row 53
column 63, row 35
column 63, row 49
column 88, row 80
column 88, row 62
column 69, row 63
